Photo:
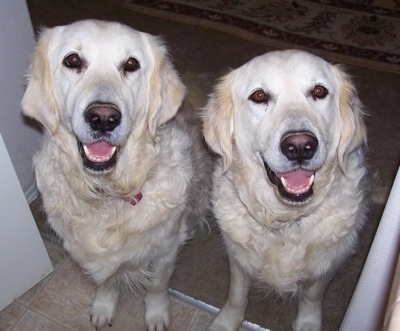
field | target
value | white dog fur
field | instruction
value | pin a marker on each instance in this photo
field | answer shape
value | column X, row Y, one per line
column 287, row 228
column 121, row 200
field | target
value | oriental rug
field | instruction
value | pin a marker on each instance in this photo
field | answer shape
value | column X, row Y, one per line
column 360, row 32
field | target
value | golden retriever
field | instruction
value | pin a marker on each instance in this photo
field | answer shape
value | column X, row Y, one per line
column 288, row 188
column 120, row 173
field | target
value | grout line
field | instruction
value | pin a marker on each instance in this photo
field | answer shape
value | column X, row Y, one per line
column 45, row 317
column 194, row 317
column 44, row 283
column 28, row 306
column 44, row 286
column 211, row 309
column 41, row 313
column 20, row 316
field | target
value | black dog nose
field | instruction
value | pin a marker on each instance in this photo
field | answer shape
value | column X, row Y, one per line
column 103, row 117
column 299, row 146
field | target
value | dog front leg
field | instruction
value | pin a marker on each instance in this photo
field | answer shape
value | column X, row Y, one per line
column 309, row 316
column 105, row 303
column 232, row 313
column 157, row 304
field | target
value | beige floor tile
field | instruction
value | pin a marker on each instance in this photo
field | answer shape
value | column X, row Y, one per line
column 202, row 320
column 27, row 298
column 10, row 315
column 57, row 256
column 34, row 322
column 62, row 301
column 182, row 315
column 67, row 297
column 130, row 315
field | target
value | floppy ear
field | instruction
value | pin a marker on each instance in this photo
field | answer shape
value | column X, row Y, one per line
column 353, row 132
column 167, row 90
column 38, row 101
column 218, row 124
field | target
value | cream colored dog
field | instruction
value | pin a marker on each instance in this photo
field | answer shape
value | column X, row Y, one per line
column 289, row 186
column 120, row 174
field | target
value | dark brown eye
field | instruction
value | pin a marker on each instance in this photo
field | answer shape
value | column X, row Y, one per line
column 319, row 92
column 259, row 96
column 131, row 65
column 73, row 61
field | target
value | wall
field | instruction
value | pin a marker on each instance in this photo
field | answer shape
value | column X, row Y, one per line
column 370, row 298
column 23, row 258
column 17, row 42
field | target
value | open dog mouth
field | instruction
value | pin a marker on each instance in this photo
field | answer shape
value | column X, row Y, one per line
column 98, row 156
column 294, row 186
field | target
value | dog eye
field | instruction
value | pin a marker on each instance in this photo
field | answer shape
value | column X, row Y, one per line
column 319, row 92
column 259, row 96
column 131, row 65
column 73, row 61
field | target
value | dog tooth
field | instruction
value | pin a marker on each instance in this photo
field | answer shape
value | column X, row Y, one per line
column 283, row 180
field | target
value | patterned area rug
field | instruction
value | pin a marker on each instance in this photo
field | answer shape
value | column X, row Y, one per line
column 359, row 32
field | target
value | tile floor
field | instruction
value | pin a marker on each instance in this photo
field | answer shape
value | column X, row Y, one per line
column 61, row 302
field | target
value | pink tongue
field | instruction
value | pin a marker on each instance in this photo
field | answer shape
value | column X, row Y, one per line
column 296, row 179
column 100, row 148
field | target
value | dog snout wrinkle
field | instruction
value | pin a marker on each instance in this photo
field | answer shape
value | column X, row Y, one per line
column 299, row 146
column 103, row 117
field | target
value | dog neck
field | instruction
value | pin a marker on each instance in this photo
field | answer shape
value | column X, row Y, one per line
column 133, row 201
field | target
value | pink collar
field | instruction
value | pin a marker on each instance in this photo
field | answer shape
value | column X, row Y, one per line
column 135, row 200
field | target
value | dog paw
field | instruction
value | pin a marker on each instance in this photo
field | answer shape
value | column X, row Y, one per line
column 102, row 314
column 99, row 321
column 157, row 315
column 158, row 321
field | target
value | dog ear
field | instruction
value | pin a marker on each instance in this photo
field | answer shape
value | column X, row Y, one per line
column 38, row 101
column 218, row 123
column 353, row 132
column 167, row 90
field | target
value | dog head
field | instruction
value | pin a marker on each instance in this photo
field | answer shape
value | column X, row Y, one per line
column 102, row 82
column 288, row 113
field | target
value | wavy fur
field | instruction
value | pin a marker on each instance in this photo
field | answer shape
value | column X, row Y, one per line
column 291, row 246
column 114, row 242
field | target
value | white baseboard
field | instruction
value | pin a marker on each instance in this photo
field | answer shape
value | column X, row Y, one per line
column 31, row 194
